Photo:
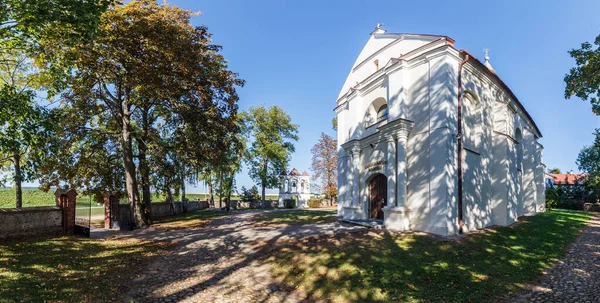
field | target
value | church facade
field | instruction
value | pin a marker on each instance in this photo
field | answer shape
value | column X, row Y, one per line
column 294, row 185
column 431, row 139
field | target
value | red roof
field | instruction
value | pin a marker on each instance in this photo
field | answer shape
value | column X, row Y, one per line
column 283, row 173
column 567, row 178
column 305, row 174
column 294, row 172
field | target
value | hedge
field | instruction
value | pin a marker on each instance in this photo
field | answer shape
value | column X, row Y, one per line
column 289, row 203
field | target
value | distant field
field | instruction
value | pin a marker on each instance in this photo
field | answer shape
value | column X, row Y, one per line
column 36, row 197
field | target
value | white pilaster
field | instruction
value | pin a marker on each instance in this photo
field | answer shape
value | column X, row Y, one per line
column 355, row 175
column 396, row 214
column 391, row 171
column 401, row 168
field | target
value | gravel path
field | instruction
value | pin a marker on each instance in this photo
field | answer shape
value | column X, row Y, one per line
column 221, row 262
column 576, row 278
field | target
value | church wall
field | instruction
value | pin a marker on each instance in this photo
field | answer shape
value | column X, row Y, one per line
column 514, row 181
column 430, row 154
column 500, row 177
column 539, row 179
column 368, row 67
column 478, row 150
column 423, row 90
column 529, row 186
column 343, row 162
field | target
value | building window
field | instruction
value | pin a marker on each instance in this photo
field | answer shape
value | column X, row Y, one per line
column 472, row 122
column 519, row 139
column 382, row 112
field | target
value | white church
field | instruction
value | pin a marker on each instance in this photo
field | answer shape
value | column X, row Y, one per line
column 431, row 139
column 294, row 185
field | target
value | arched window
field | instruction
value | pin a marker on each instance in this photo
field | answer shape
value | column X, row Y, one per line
column 294, row 188
column 377, row 111
column 519, row 138
column 286, row 186
column 382, row 112
column 472, row 122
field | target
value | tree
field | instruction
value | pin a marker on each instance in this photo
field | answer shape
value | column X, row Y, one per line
column 583, row 80
column 554, row 170
column 334, row 123
column 147, row 56
column 324, row 165
column 247, row 195
column 33, row 18
column 23, row 124
column 272, row 132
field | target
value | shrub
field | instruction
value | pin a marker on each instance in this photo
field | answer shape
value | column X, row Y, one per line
column 289, row 203
column 551, row 198
column 314, row 203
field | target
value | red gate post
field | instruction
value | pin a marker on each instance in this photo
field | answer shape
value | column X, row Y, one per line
column 66, row 199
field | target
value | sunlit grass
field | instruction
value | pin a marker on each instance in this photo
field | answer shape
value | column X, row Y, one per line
column 36, row 197
column 296, row 217
column 69, row 269
column 376, row 266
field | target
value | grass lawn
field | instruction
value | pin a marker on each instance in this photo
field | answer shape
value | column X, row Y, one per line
column 377, row 266
column 296, row 217
column 69, row 269
column 36, row 197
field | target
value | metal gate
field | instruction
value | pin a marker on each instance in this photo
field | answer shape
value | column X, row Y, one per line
column 83, row 219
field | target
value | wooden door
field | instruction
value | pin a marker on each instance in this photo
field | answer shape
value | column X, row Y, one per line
column 378, row 196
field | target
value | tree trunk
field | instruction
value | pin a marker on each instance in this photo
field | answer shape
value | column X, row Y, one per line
column 220, row 188
column 138, row 216
column 211, row 200
column 229, row 190
column 18, row 179
column 144, row 167
column 263, row 194
column 182, row 188
column 228, row 201
column 264, row 183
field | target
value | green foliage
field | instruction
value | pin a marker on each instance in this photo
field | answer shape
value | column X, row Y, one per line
column 314, row 203
column 334, row 123
column 551, row 198
column 382, row 267
column 554, row 170
column 272, row 132
column 24, row 126
column 69, row 20
column 289, row 203
column 157, row 92
column 247, row 195
column 583, row 80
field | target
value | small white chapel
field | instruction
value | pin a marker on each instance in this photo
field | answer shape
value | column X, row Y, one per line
column 294, row 185
column 431, row 139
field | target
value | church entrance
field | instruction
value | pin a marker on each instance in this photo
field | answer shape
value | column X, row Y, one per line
column 378, row 195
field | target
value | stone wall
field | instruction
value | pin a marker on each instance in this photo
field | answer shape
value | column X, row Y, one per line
column 196, row 205
column 15, row 222
column 161, row 209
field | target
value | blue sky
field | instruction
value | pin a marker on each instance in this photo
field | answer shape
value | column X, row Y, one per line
column 297, row 54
